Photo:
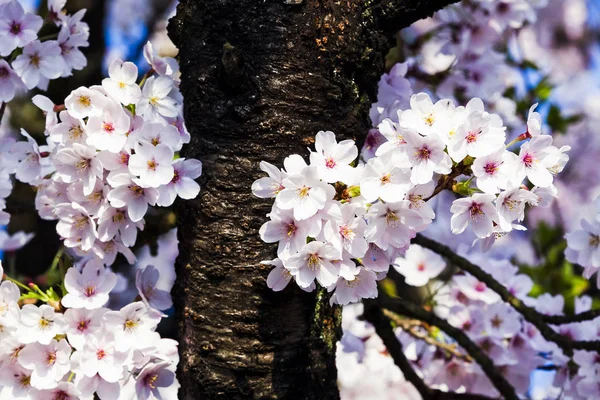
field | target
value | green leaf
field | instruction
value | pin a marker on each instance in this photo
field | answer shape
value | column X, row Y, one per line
column 389, row 287
column 543, row 90
column 558, row 122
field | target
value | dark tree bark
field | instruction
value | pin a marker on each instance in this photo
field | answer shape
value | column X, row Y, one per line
column 260, row 78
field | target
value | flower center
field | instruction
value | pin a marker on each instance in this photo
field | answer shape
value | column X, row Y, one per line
column 385, row 179
column 34, row 60
column 84, row 101
column 472, row 137
column 423, row 153
column 44, row 323
column 130, row 324
column 421, row 267
column 330, row 163
column 136, row 191
column 528, row 159
column 176, row 177
column 303, row 191
column 594, row 240
column 83, row 325
column 108, row 127
column 291, row 229
column 51, row 358
column 80, row 222
column 15, row 28
column 475, row 210
column 496, row 321
column 391, row 218
column 347, row 232
column 480, row 287
column 118, row 217
column 150, row 380
column 152, row 164
column 61, row 396
column 124, row 159
column 314, row 262
column 100, row 354
column 90, row 291
column 82, row 165
column 490, row 168
column 429, row 119
column 4, row 72
column 511, row 204
column 24, row 381
column 155, row 141
column 75, row 132
column 15, row 353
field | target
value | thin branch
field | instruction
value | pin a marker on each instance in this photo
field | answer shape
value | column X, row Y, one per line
column 567, row 319
column 415, row 311
column 410, row 326
column 2, row 109
column 390, row 16
column 383, row 328
column 447, row 181
column 530, row 314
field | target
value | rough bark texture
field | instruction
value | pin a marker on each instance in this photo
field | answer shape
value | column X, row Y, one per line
column 260, row 78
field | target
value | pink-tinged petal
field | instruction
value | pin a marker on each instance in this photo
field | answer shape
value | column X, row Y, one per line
column 278, row 279
column 459, row 223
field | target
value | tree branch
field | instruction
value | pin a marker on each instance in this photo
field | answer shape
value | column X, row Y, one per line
column 410, row 326
column 391, row 16
column 374, row 314
column 567, row 319
column 413, row 310
column 2, row 109
column 537, row 319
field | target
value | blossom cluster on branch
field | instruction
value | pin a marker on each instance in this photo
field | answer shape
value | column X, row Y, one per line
column 28, row 60
column 111, row 152
column 111, row 155
column 343, row 221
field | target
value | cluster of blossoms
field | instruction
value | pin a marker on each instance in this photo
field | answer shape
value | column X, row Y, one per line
column 27, row 61
column 329, row 215
column 111, row 152
column 468, row 51
column 515, row 345
column 87, row 349
column 110, row 155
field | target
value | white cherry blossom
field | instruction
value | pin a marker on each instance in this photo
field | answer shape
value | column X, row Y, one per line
column 419, row 265
column 153, row 164
column 89, row 288
column 121, row 82
column 331, row 158
column 476, row 211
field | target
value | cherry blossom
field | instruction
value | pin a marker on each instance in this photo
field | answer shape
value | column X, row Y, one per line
column 39, row 62
column 304, row 194
column 88, row 288
column 155, row 101
column 476, row 211
column 17, row 27
column 419, row 265
column 332, row 159
column 314, row 260
column 153, row 164
column 121, row 83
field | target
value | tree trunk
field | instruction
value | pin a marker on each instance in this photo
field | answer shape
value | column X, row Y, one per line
column 260, row 78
